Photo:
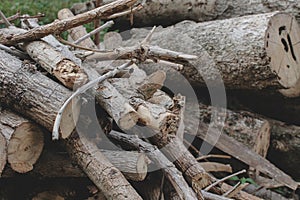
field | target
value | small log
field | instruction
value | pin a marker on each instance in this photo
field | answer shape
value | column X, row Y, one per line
column 25, row 141
column 167, row 12
column 65, row 70
column 103, row 174
column 76, row 32
column 251, row 57
column 133, row 165
column 38, row 97
column 237, row 150
column 58, row 27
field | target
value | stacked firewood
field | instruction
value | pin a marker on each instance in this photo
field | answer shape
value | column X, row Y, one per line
column 122, row 125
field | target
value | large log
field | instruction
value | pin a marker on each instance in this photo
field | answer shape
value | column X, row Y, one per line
column 167, row 12
column 247, row 53
column 37, row 96
column 25, row 141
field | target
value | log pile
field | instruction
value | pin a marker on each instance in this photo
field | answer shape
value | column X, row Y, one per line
column 128, row 125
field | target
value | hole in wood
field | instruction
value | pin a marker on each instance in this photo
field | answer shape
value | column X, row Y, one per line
column 291, row 47
column 285, row 45
column 288, row 66
column 282, row 28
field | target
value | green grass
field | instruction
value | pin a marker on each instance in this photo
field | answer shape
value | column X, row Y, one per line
column 33, row 7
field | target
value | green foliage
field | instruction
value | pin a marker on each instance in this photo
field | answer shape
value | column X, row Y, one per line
column 243, row 180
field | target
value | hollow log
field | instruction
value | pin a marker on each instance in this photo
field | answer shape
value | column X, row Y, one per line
column 245, row 55
column 167, row 12
column 34, row 95
column 25, row 141
column 76, row 32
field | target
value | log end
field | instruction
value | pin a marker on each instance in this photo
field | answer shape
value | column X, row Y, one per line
column 282, row 42
column 3, row 153
column 70, row 74
column 142, row 167
column 25, row 147
column 262, row 143
column 129, row 118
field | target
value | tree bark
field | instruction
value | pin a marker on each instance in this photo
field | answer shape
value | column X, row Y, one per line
column 34, row 95
column 167, row 12
column 25, row 141
column 236, row 55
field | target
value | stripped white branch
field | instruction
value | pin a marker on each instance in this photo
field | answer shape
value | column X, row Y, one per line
column 97, row 30
column 224, row 179
column 7, row 23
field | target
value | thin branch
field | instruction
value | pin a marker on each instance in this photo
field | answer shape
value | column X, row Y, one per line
column 18, row 16
column 127, row 12
column 224, row 179
column 55, row 132
column 97, row 23
column 97, row 30
column 232, row 189
column 7, row 23
column 212, row 156
column 60, row 26
column 148, row 37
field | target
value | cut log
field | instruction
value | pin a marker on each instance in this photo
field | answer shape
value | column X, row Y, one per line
column 37, row 96
column 76, row 32
column 25, row 141
column 238, row 53
column 133, row 165
column 236, row 149
column 168, row 12
column 58, row 27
